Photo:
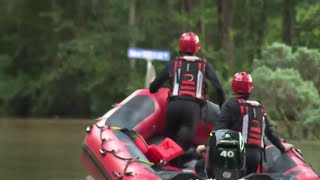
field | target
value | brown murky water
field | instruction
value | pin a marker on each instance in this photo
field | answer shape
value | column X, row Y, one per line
column 50, row 149
column 32, row 149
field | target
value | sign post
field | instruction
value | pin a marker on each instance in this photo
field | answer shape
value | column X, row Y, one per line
column 149, row 55
column 149, row 76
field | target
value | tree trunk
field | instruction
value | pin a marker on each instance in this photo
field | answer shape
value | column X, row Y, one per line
column 189, row 6
column 225, row 25
column 202, row 27
column 287, row 21
column 286, row 122
column 80, row 13
column 132, row 18
column 305, row 132
column 261, row 28
column 203, row 32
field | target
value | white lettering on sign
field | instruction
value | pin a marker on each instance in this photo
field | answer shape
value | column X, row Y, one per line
column 148, row 54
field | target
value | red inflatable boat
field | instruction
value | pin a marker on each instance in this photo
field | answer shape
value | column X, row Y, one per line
column 126, row 144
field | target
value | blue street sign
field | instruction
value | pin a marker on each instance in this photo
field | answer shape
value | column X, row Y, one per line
column 148, row 54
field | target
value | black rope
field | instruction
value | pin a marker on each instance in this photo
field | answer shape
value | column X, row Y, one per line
column 104, row 151
column 125, row 168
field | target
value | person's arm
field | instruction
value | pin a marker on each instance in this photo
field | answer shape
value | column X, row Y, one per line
column 202, row 150
column 229, row 116
column 212, row 77
column 161, row 78
column 272, row 136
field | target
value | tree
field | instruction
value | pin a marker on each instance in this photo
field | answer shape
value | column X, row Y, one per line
column 275, row 56
column 288, row 20
column 286, row 94
column 225, row 29
column 312, row 122
column 307, row 28
column 63, row 57
column 306, row 61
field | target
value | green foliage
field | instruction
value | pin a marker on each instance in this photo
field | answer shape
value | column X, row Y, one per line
column 306, row 61
column 308, row 22
column 292, row 80
column 68, row 58
column 312, row 120
column 284, row 91
column 277, row 55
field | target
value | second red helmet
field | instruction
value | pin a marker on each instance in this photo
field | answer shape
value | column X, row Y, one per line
column 189, row 43
column 242, row 83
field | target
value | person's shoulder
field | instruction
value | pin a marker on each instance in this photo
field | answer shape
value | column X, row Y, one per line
column 203, row 59
column 229, row 107
column 255, row 102
column 231, row 103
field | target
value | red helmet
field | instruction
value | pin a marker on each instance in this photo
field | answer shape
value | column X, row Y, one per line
column 189, row 43
column 242, row 83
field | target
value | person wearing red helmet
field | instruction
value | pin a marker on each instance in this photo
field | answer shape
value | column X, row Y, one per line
column 248, row 116
column 188, row 75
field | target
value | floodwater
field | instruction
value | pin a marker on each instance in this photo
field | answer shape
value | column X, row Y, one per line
column 42, row 149
column 50, row 149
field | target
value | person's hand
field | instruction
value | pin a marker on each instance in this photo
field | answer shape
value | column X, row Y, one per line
column 287, row 146
column 201, row 149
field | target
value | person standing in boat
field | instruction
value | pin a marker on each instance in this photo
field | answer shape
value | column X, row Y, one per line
column 188, row 75
column 247, row 116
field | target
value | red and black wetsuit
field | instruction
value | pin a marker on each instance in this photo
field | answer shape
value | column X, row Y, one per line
column 231, row 117
column 188, row 76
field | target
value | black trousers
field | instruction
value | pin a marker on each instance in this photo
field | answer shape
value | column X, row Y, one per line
column 253, row 159
column 182, row 117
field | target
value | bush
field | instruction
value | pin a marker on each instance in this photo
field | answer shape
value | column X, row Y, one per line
column 286, row 95
column 306, row 61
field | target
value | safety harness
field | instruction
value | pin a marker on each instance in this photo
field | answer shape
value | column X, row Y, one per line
column 253, row 125
column 189, row 72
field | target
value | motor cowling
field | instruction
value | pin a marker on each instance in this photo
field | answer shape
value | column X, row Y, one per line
column 226, row 155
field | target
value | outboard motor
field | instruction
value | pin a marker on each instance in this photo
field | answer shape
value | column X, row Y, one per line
column 226, row 155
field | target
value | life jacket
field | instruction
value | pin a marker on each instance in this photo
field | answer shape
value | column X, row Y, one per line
column 188, row 77
column 253, row 122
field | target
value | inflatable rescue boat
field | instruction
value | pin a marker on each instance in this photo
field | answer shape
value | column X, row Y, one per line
column 127, row 144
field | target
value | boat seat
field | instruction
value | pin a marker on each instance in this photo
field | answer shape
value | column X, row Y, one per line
column 210, row 112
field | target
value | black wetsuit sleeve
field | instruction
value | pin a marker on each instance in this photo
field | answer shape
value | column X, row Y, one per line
column 272, row 136
column 229, row 117
column 212, row 77
column 161, row 78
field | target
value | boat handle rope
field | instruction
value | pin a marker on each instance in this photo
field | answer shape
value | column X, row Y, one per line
column 104, row 151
